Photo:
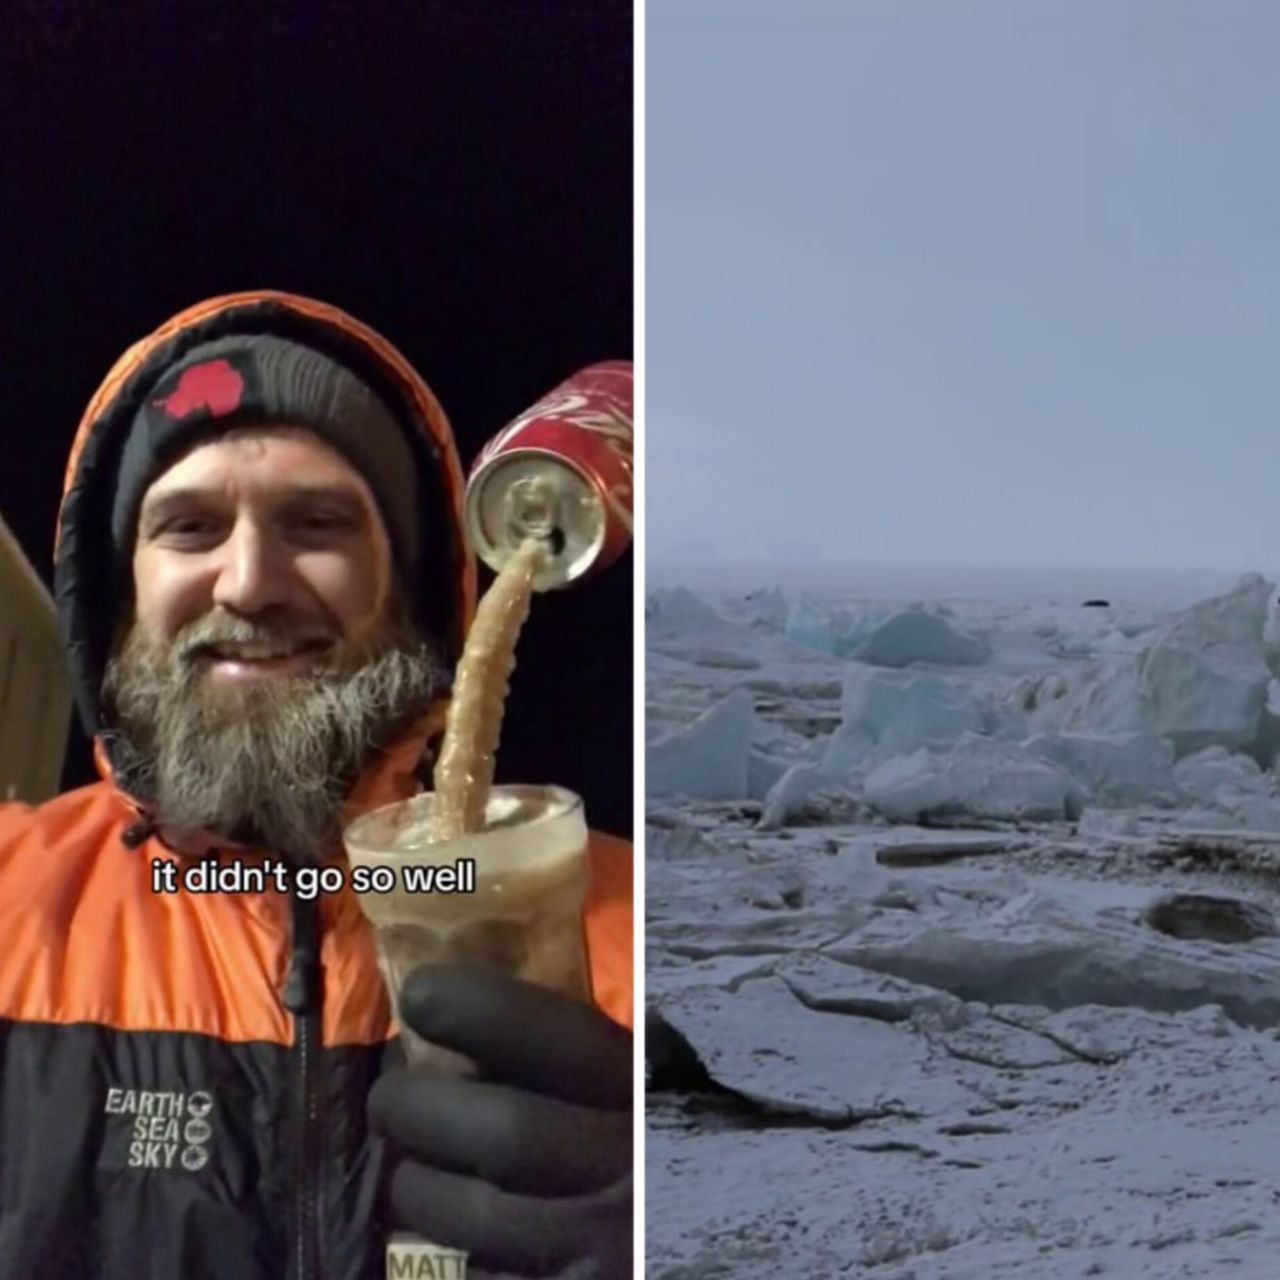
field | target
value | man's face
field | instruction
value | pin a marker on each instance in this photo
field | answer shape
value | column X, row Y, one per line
column 262, row 524
column 269, row 652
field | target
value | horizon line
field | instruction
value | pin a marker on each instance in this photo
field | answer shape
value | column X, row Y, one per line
column 764, row 562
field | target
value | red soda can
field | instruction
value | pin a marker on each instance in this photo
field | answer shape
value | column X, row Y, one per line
column 562, row 473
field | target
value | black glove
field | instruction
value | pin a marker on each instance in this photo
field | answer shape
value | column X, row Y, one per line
column 529, row 1167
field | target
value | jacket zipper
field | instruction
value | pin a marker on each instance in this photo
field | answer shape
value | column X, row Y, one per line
column 303, row 997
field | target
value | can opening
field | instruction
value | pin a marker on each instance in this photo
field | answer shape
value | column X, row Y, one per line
column 518, row 496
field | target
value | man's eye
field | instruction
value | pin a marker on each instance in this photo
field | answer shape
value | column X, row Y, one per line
column 188, row 526
column 322, row 522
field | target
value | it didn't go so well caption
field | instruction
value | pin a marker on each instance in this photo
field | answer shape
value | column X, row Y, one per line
column 237, row 876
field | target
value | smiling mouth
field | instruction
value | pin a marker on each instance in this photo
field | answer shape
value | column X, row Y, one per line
column 259, row 651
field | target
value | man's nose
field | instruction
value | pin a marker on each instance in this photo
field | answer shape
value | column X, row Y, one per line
column 254, row 574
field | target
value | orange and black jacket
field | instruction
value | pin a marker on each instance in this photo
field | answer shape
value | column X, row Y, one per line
column 183, row 1076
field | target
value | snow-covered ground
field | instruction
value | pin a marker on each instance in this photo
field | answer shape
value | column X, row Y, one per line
column 963, row 955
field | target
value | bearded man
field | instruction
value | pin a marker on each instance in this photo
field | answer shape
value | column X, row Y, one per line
column 263, row 586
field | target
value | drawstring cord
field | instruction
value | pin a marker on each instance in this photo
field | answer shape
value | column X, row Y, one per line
column 137, row 834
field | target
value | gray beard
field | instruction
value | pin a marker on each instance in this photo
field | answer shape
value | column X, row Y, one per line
column 266, row 763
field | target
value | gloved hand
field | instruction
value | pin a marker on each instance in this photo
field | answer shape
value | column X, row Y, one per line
column 529, row 1167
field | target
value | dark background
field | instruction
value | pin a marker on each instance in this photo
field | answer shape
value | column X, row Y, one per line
column 457, row 175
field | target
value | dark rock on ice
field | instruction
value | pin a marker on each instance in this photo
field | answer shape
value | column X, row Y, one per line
column 1210, row 918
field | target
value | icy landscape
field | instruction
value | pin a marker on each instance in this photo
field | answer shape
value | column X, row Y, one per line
column 963, row 955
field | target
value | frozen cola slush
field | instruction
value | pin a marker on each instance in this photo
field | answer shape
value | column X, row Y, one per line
column 508, row 897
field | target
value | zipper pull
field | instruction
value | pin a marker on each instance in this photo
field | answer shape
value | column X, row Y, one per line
column 302, row 985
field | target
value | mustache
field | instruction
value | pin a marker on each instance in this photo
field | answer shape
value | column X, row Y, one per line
column 221, row 628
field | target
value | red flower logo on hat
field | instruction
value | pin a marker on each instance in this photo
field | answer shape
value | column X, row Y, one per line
column 214, row 385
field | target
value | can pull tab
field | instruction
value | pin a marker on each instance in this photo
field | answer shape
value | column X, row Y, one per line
column 533, row 511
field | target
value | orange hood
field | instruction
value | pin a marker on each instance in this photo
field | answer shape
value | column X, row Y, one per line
column 91, row 591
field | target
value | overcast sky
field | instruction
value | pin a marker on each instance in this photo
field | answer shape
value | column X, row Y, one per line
column 965, row 281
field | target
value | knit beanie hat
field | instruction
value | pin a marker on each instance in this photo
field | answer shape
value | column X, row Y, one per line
column 262, row 380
